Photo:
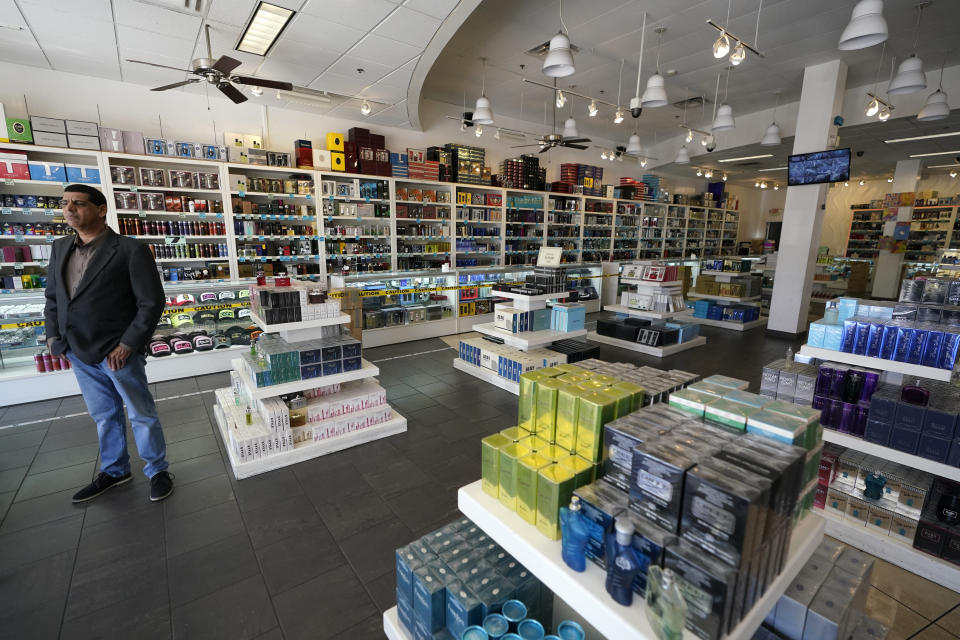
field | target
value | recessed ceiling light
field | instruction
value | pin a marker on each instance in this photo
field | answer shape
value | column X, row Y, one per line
column 263, row 28
column 929, row 137
column 774, row 169
column 765, row 155
column 936, row 153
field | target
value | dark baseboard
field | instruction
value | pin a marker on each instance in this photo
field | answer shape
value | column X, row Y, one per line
column 786, row 335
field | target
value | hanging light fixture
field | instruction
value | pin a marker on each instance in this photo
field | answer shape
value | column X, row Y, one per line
column 570, row 128
column 936, row 107
column 724, row 117
column 953, row 173
column 592, row 109
column 708, row 173
column 861, row 183
column 561, row 99
column 699, row 172
column 772, row 137
column 482, row 113
column 689, row 134
column 618, row 116
column 636, row 103
column 866, row 28
column 884, row 114
column 910, row 77
column 722, row 46
column 479, row 131
column 559, row 60
column 656, row 93
column 683, row 157
column 633, row 145
column 643, row 162
column 724, row 177
column 739, row 54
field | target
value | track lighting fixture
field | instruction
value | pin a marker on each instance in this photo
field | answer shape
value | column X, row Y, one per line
column 722, row 46
column 592, row 109
column 689, row 135
column 953, row 173
column 618, row 116
column 884, row 114
column 846, row 184
column 763, row 185
column 756, row 184
column 699, row 172
column 861, row 183
column 479, row 131
column 365, row 108
column 257, row 91
column 724, row 177
column 776, row 187
column 643, row 162
column 890, row 179
column 561, row 99
column 739, row 54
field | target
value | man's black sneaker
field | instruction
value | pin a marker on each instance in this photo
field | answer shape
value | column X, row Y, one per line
column 161, row 486
column 101, row 483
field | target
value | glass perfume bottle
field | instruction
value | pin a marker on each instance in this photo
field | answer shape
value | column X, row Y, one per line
column 625, row 563
column 666, row 608
column 249, row 415
column 575, row 532
column 831, row 315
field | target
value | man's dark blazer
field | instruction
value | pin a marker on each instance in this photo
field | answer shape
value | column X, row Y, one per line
column 119, row 300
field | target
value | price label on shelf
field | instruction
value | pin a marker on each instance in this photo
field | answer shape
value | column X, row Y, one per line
column 202, row 215
column 141, row 214
column 51, row 238
column 39, row 212
column 241, row 193
column 261, row 238
column 308, row 196
column 22, row 325
column 49, row 212
column 28, row 212
column 7, row 211
column 9, row 181
column 291, row 196
column 133, row 189
column 181, row 214
column 18, row 265
column 18, row 237
column 220, row 215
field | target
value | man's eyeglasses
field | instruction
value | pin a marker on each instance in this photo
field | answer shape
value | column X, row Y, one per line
column 77, row 203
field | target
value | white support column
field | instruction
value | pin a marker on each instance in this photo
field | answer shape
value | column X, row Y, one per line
column 886, row 271
column 821, row 98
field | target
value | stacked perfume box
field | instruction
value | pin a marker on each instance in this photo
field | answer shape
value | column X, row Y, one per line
column 276, row 361
column 505, row 361
column 295, row 303
column 790, row 381
column 455, row 579
column 828, row 598
column 653, row 333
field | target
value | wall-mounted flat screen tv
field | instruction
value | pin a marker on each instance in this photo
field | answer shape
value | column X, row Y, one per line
column 819, row 167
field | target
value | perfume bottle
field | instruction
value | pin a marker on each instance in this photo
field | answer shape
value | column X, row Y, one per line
column 831, row 315
column 624, row 563
column 666, row 608
column 788, row 359
column 249, row 415
column 575, row 534
column 874, row 488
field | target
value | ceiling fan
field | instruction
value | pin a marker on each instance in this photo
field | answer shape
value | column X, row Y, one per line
column 218, row 73
column 554, row 139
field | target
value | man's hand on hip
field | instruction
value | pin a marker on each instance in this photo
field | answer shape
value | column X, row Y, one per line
column 117, row 358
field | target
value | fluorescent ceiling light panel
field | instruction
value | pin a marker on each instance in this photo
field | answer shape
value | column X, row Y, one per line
column 774, row 169
column 264, row 27
column 929, row 137
column 942, row 166
column 936, row 153
column 765, row 155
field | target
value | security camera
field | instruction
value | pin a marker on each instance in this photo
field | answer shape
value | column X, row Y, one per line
column 859, row 154
column 635, row 108
column 710, row 143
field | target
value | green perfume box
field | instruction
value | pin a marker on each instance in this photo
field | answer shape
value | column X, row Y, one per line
column 509, row 458
column 555, row 485
column 490, row 463
column 528, row 470
column 596, row 409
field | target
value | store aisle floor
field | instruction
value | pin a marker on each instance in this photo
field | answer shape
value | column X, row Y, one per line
column 301, row 552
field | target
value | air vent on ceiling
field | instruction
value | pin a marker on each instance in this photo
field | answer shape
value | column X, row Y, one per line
column 540, row 51
column 753, row 163
column 189, row 7
column 691, row 103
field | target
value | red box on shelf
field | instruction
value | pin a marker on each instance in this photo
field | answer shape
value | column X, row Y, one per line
column 14, row 166
column 303, row 150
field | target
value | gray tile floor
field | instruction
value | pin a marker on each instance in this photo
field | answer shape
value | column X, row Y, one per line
column 301, row 552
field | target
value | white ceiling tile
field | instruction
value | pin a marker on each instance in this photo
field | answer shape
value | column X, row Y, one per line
column 385, row 93
column 400, row 77
column 71, row 63
column 50, row 24
column 297, row 74
column 350, row 109
column 337, row 83
column 11, row 14
column 161, row 45
column 310, row 28
column 357, row 14
column 312, row 58
column 436, row 8
column 148, row 17
column 232, row 12
column 409, row 26
column 384, row 51
column 90, row 9
column 348, row 65
column 22, row 51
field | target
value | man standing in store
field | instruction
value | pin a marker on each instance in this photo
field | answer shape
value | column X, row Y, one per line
column 103, row 300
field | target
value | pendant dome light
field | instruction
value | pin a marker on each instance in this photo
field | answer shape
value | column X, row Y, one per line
column 723, row 120
column 936, row 107
column 570, row 126
column 482, row 113
column 772, row 137
column 559, row 60
column 910, row 77
column 633, row 145
column 656, row 93
column 683, row 157
column 866, row 28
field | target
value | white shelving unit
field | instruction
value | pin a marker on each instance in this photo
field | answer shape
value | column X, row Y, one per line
column 586, row 591
column 487, row 376
column 886, row 453
column 729, row 324
column 892, row 366
column 658, row 352
column 922, row 564
column 527, row 339
column 706, row 296
column 366, row 371
column 656, row 315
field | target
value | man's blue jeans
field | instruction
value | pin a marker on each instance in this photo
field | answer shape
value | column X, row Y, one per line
column 105, row 392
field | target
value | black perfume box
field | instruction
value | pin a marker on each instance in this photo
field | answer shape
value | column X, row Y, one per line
column 708, row 587
column 656, row 482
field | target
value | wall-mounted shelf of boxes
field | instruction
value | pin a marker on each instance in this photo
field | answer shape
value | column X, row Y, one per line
column 933, row 228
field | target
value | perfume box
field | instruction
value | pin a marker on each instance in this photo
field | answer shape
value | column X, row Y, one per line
column 509, row 461
column 429, row 599
column 490, row 463
column 462, row 609
column 528, row 468
column 909, row 416
column 790, row 613
column 555, row 486
column 707, row 585
column 651, row 543
column 406, row 562
column 601, row 504
column 596, row 409
column 656, row 482
column 933, row 448
column 568, row 410
column 620, row 438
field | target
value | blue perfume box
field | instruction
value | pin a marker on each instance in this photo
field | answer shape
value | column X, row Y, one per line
column 909, row 416
column 905, row 440
column 878, row 432
column 933, row 448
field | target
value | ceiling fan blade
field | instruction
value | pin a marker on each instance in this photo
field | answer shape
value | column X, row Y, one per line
column 175, row 84
column 162, row 66
column 576, row 140
column 521, row 146
column 226, row 64
column 263, row 82
column 575, row 146
column 232, row 92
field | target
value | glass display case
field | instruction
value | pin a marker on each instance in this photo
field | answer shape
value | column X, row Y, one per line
column 475, row 294
column 22, row 335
